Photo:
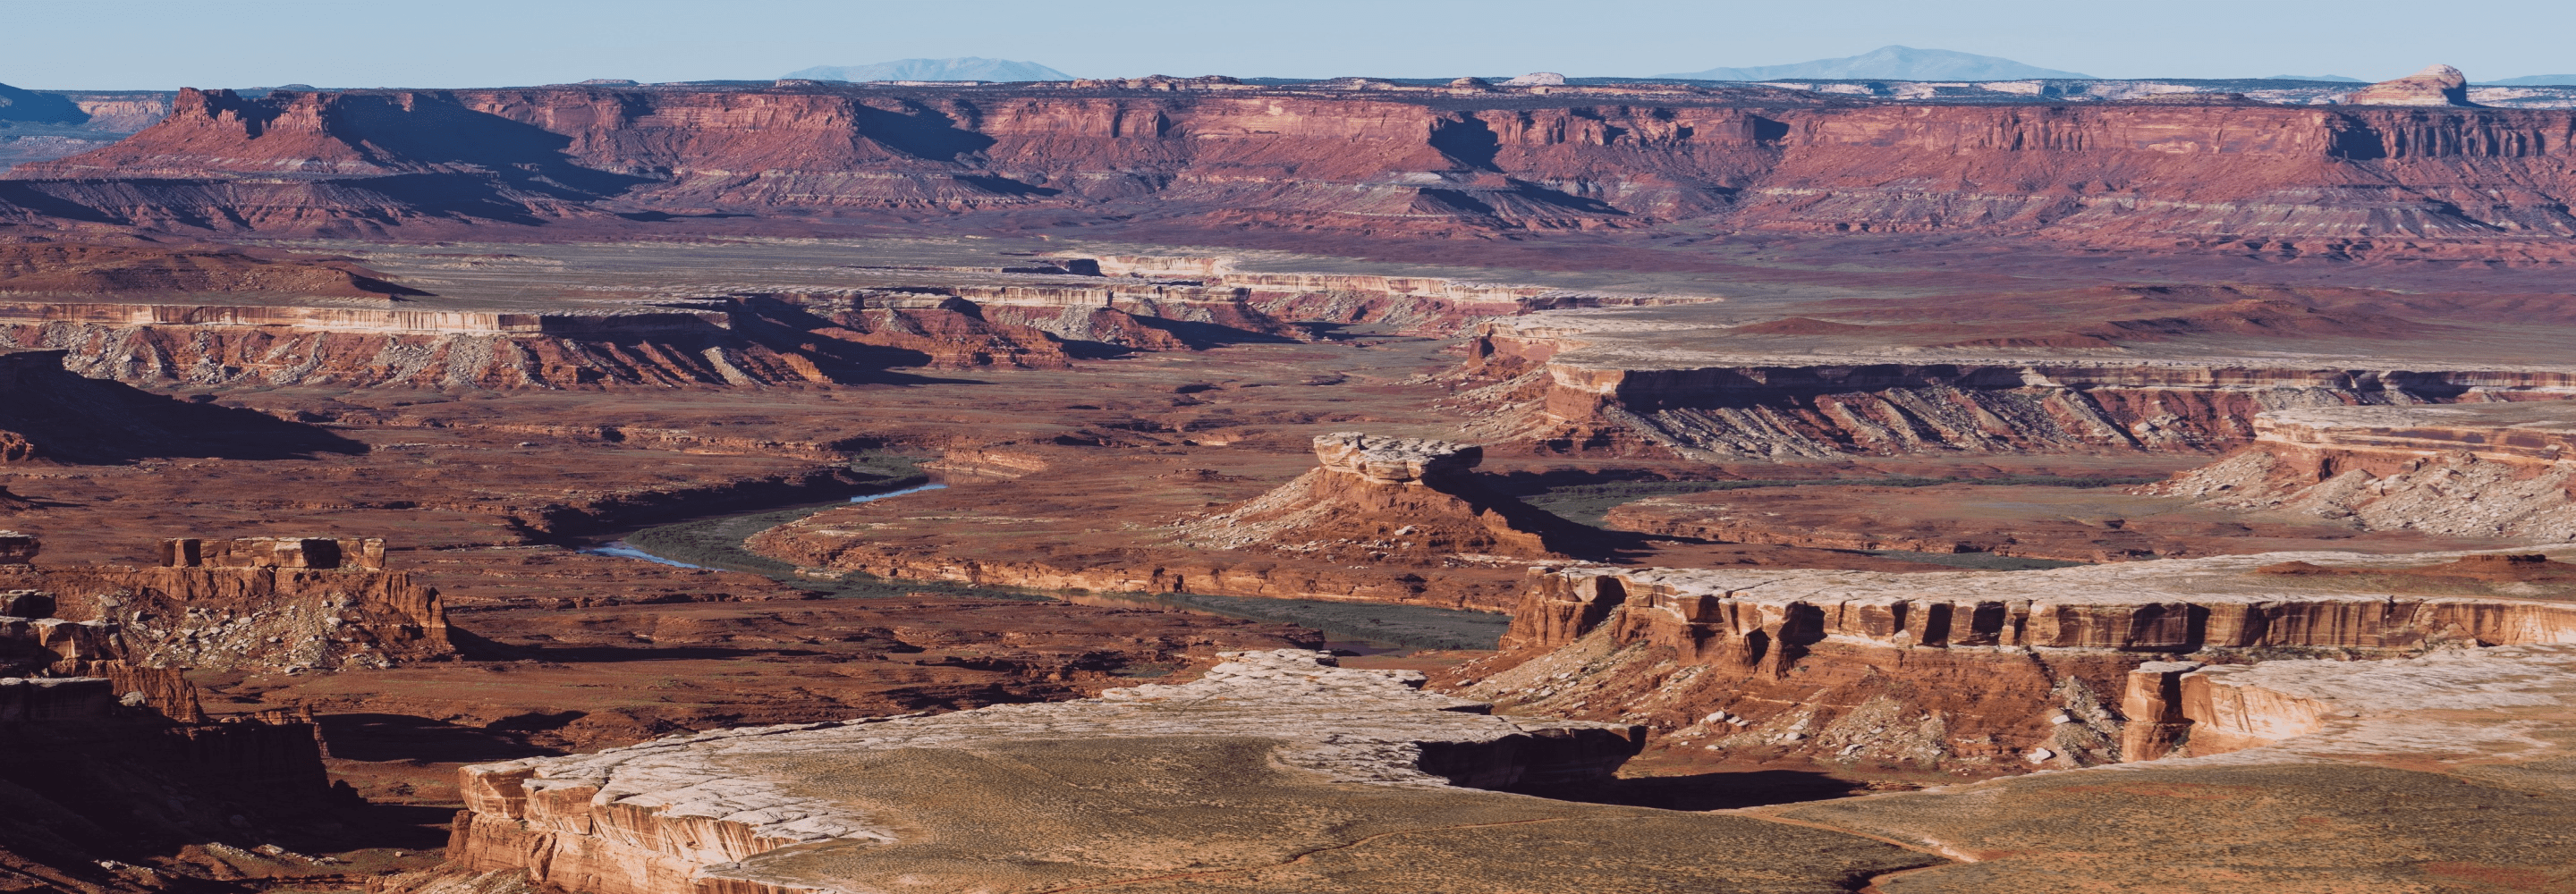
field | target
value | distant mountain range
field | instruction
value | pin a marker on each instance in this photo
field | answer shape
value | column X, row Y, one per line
column 2314, row 78
column 968, row 68
column 2565, row 80
column 1891, row 63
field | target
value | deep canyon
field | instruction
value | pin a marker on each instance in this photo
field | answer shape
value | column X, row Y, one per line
column 1190, row 483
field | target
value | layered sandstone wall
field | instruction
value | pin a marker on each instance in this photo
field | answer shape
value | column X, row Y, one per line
column 2178, row 606
column 748, row 341
column 2413, row 705
column 735, row 340
column 2064, row 668
column 1827, row 408
column 605, row 324
column 359, row 553
column 2491, row 470
column 2334, row 177
column 305, row 602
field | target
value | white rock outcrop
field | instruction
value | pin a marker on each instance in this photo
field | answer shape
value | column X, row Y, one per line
column 666, row 815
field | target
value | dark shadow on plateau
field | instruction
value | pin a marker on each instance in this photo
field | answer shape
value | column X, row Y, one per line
column 74, row 419
column 621, row 654
column 1705, row 791
column 402, row 737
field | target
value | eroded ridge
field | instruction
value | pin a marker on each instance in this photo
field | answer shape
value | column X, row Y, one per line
column 2177, row 605
column 1686, row 384
column 2447, row 771
column 2489, row 703
column 1983, row 668
column 2484, row 470
column 1377, row 499
column 812, row 806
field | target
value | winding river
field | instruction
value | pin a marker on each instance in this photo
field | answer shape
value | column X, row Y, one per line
column 716, row 543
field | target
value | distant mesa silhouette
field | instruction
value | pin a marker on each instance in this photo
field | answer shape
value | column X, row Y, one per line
column 2335, row 78
column 55, row 415
column 34, row 106
column 968, row 68
column 1896, row 63
column 2560, row 80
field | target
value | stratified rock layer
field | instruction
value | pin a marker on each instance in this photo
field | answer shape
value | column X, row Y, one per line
column 1667, row 383
column 1979, row 667
column 1765, row 617
column 1351, row 157
column 2490, row 470
column 255, row 603
column 2444, row 772
column 2436, row 85
column 1376, row 497
column 1276, row 772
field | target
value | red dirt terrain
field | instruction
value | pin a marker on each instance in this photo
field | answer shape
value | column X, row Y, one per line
column 1799, row 445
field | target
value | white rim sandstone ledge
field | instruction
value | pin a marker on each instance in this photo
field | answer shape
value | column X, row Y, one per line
column 2172, row 605
column 679, row 813
column 1384, row 460
column 2499, row 704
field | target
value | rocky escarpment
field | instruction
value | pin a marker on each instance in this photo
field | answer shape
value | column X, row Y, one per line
column 1969, row 668
column 1143, row 783
column 2362, row 752
column 2488, row 470
column 2436, row 85
column 2165, row 174
column 108, row 794
column 1379, row 499
column 1423, row 305
column 746, row 338
column 2310, row 707
column 253, row 603
column 105, row 750
column 114, row 774
column 1572, row 383
column 730, row 341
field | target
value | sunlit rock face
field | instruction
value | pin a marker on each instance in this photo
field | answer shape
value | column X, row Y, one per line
column 2436, row 85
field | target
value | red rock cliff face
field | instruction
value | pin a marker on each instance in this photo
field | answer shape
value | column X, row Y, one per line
column 1955, row 668
column 2125, row 172
column 1829, row 410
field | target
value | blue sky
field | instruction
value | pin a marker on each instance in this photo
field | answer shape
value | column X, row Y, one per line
column 150, row 44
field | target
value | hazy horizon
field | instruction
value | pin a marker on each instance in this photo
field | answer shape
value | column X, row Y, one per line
column 159, row 45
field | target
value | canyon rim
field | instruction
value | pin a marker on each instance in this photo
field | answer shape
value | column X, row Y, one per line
column 1264, row 484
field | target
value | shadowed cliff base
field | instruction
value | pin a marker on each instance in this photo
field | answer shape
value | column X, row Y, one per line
column 55, row 415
